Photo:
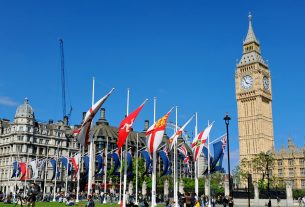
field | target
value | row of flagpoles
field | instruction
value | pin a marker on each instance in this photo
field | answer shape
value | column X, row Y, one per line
column 154, row 136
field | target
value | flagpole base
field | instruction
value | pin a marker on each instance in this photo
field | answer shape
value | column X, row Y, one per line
column 136, row 203
column 104, row 201
column 76, row 201
column 119, row 202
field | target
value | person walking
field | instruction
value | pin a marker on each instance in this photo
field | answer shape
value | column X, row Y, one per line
column 303, row 199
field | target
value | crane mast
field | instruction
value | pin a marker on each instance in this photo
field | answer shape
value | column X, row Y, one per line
column 63, row 79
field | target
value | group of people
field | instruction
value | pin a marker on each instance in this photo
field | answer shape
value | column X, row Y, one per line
column 22, row 197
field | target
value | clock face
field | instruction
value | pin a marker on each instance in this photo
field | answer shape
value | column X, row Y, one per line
column 266, row 82
column 247, row 82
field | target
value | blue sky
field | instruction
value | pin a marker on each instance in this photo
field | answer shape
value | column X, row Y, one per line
column 182, row 52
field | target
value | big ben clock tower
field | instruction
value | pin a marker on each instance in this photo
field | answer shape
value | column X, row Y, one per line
column 254, row 99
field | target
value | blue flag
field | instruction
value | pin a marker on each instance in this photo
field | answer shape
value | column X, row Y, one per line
column 219, row 148
column 117, row 163
column 65, row 163
column 55, row 169
column 16, row 169
column 165, row 161
column 129, row 164
column 147, row 159
column 86, row 165
column 100, row 164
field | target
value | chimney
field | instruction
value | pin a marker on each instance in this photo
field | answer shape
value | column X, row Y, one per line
column 146, row 125
column 103, row 113
column 66, row 120
column 102, row 119
column 50, row 121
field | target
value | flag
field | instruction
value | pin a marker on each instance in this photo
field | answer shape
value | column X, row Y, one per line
column 172, row 139
column 147, row 158
column 86, row 164
column 126, row 125
column 33, row 164
column 100, row 164
column 82, row 133
column 55, row 168
column 186, row 159
column 75, row 162
column 200, row 140
column 219, row 148
column 155, row 133
column 16, row 169
column 164, row 156
column 129, row 164
column 23, row 170
column 117, row 163
column 65, row 162
column 41, row 165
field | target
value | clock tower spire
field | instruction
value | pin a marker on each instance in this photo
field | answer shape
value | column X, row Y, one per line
column 254, row 100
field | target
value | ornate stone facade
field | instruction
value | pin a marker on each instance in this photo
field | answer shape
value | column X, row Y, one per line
column 289, row 165
column 254, row 100
column 24, row 140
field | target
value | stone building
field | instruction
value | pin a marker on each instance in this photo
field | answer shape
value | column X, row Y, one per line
column 289, row 165
column 24, row 139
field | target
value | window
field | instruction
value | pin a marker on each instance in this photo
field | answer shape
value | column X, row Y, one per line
column 40, row 141
column 291, row 172
column 302, row 171
column 303, row 183
column 280, row 172
column 47, row 141
column 301, row 161
column 279, row 163
column 290, row 162
column 19, row 138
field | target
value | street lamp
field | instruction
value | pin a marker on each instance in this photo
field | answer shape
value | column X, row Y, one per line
column 227, row 121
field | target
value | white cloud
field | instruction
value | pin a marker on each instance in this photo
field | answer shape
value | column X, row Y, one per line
column 7, row 101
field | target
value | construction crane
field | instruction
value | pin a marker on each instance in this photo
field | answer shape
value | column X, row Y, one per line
column 63, row 79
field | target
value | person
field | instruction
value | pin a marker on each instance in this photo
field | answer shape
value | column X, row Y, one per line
column 32, row 193
column 146, row 203
column 225, row 201
column 90, row 201
column 102, row 197
column 303, row 199
column 278, row 200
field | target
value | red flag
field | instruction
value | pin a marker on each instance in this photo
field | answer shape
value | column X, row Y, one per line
column 126, row 125
column 23, row 170
column 82, row 134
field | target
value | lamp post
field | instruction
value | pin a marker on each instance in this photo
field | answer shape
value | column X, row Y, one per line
column 227, row 122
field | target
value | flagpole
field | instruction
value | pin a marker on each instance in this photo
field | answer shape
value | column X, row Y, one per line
column 121, row 168
column 175, row 162
column 45, row 173
column 36, row 170
column 153, row 190
column 56, row 165
column 209, row 169
column 91, row 149
column 125, row 163
column 26, row 169
column 78, row 173
column 196, row 162
column 67, row 174
column 105, row 171
column 136, row 203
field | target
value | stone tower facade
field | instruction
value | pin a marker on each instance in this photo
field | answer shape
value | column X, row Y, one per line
column 254, row 99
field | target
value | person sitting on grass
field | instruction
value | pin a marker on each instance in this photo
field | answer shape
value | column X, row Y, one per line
column 90, row 201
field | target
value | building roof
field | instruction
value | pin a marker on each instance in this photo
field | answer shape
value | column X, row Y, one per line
column 25, row 110
column 250, row 35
